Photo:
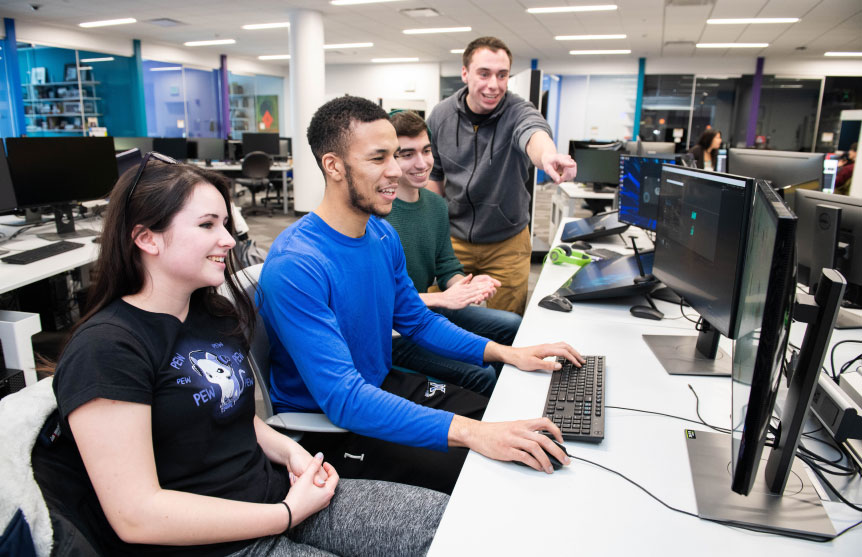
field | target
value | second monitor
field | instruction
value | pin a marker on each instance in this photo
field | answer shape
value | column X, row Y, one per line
column 265, row 142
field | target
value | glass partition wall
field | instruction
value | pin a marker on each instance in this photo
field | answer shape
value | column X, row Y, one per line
column 255, row 103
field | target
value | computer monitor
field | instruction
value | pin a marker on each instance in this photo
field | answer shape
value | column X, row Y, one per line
column 7, row 193
column 142, row 144
column 285, row 147
column 597, row 166
column 209, row 148
column 174, row 147
column 830, row 236
column 700, row 244
column 128, row 159
column 266, row 142
column 782, row 168
column 755, row 500
column 640, row 184
column 658, row 148
column 58, row 171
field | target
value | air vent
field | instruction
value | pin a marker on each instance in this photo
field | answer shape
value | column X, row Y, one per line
column 420, row 12
column 165, row 22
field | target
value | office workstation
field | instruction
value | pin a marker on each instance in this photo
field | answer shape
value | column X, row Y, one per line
column 681, row 282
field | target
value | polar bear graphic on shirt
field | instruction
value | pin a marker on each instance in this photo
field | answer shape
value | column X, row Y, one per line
column 218, row 371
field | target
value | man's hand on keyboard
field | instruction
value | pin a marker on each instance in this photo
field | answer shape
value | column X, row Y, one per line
column 509, row 441
column 530, row 358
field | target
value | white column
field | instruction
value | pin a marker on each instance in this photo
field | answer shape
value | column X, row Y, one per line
column 307, row 71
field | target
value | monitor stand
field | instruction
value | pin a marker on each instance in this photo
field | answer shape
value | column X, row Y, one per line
column 797, row 512
column 691, row 355
column 64, row 220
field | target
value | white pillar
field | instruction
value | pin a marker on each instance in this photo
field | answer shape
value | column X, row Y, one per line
column 307, row 71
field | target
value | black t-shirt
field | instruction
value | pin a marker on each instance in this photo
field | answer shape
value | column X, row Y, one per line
column 195, row 377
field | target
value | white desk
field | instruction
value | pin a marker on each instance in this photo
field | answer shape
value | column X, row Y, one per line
column 282, row 167
column 16, row 276
column 500, row 508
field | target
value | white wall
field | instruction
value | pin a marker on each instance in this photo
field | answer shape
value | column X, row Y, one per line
column 419, row 81
column 60, row 37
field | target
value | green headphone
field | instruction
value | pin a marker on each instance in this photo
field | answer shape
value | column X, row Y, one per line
column 564, row 254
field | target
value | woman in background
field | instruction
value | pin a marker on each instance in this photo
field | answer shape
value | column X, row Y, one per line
column 156, row 395
column 706, row 151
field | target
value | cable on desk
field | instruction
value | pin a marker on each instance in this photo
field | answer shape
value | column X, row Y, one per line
column 668, row 416
column 697, row 410
column 682, row 311
column 846, row 365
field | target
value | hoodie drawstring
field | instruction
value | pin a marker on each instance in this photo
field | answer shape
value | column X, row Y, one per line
column 493, row 135
column 458, row 129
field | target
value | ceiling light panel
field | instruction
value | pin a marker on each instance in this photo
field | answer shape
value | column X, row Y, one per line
column 432, row 30
column 598, row 52
column 210, row 42
column 107, row 22
column 751, row 20
column 588, row 37
column 274, row 25
column 570, row 9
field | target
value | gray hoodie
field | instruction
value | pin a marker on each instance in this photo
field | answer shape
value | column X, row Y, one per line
column 485, row 170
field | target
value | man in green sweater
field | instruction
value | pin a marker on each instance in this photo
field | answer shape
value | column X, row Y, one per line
column 421, row 219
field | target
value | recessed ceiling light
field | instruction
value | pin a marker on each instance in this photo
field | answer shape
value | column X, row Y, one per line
column 457, row 51
column 274, row 57
column 566, row 9
column 352, row 2
column 732, row 45
column 751, row 20
column 392, row 60
column 210, row 43
column 91, row 60
column 842, row 54
column 587, row 37
column 419, row 12
column 275, row 25
column 107, row 22
column 430, row 30
column 589, row 52
column 347, row 45
column 167, row 69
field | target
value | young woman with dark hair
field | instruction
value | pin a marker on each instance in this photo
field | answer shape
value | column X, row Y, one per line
column 156, row 397
column 706, row 151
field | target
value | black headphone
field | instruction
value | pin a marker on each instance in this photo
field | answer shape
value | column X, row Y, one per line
column 563, row 254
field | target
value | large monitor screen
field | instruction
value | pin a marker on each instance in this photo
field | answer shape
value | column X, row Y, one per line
column 700, row 240
column 209, row 148
column 764, row 319
column 7, row 194
column 640, row 185
column 266, row 142
column 598, row 166
column 60, row 170
column 174, row 147
column 782, row 168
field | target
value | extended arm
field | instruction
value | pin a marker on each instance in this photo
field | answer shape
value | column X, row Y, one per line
column 116, row 445
column 543, row 153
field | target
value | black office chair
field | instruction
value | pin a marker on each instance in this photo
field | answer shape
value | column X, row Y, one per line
column 255, row 172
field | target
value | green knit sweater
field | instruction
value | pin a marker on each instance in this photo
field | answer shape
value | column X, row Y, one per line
column 424, row 230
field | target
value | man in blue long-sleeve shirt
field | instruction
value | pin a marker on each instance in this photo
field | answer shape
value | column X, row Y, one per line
column 335, row 285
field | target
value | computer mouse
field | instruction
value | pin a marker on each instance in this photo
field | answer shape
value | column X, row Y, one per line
column 582, row 245
column 555, row 464
column 646, row 312
column 555, row 302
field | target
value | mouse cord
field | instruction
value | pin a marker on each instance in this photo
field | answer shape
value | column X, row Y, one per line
column 687, row 513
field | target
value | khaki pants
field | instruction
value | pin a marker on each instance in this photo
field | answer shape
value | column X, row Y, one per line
column 507, row 261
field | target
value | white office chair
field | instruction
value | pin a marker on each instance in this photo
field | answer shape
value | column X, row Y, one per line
column 295, row 423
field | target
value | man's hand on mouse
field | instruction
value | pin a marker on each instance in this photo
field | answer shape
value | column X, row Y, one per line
column 518, row 441
column 531, row 358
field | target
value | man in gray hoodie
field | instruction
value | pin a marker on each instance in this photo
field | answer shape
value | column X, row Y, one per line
column 484, row 139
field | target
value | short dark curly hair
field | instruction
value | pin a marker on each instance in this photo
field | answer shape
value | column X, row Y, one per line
column 329, row 130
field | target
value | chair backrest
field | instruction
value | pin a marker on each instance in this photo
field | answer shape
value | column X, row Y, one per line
column 256, row 165
column 258, row 354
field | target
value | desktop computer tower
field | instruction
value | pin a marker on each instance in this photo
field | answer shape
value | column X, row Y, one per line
column 11, row 380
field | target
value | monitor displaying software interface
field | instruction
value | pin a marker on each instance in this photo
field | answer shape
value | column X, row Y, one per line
column 700, row 240
column 640, row 185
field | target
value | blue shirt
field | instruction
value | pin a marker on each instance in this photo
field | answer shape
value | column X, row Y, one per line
column 329, row 303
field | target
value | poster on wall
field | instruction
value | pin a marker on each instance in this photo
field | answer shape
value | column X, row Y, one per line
column 266, row 113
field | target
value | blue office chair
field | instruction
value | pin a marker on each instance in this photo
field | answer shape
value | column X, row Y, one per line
column 293, row 423
column 255, row 172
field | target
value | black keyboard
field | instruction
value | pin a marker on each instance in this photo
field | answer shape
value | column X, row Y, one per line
column 42, row 252
column 576, row 400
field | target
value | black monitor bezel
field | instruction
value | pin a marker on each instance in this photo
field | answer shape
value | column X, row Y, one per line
column 727, row 328
column 772, row 343
column 623, row 217
column 745, row 162
column 100, row 150
column 7, row 189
